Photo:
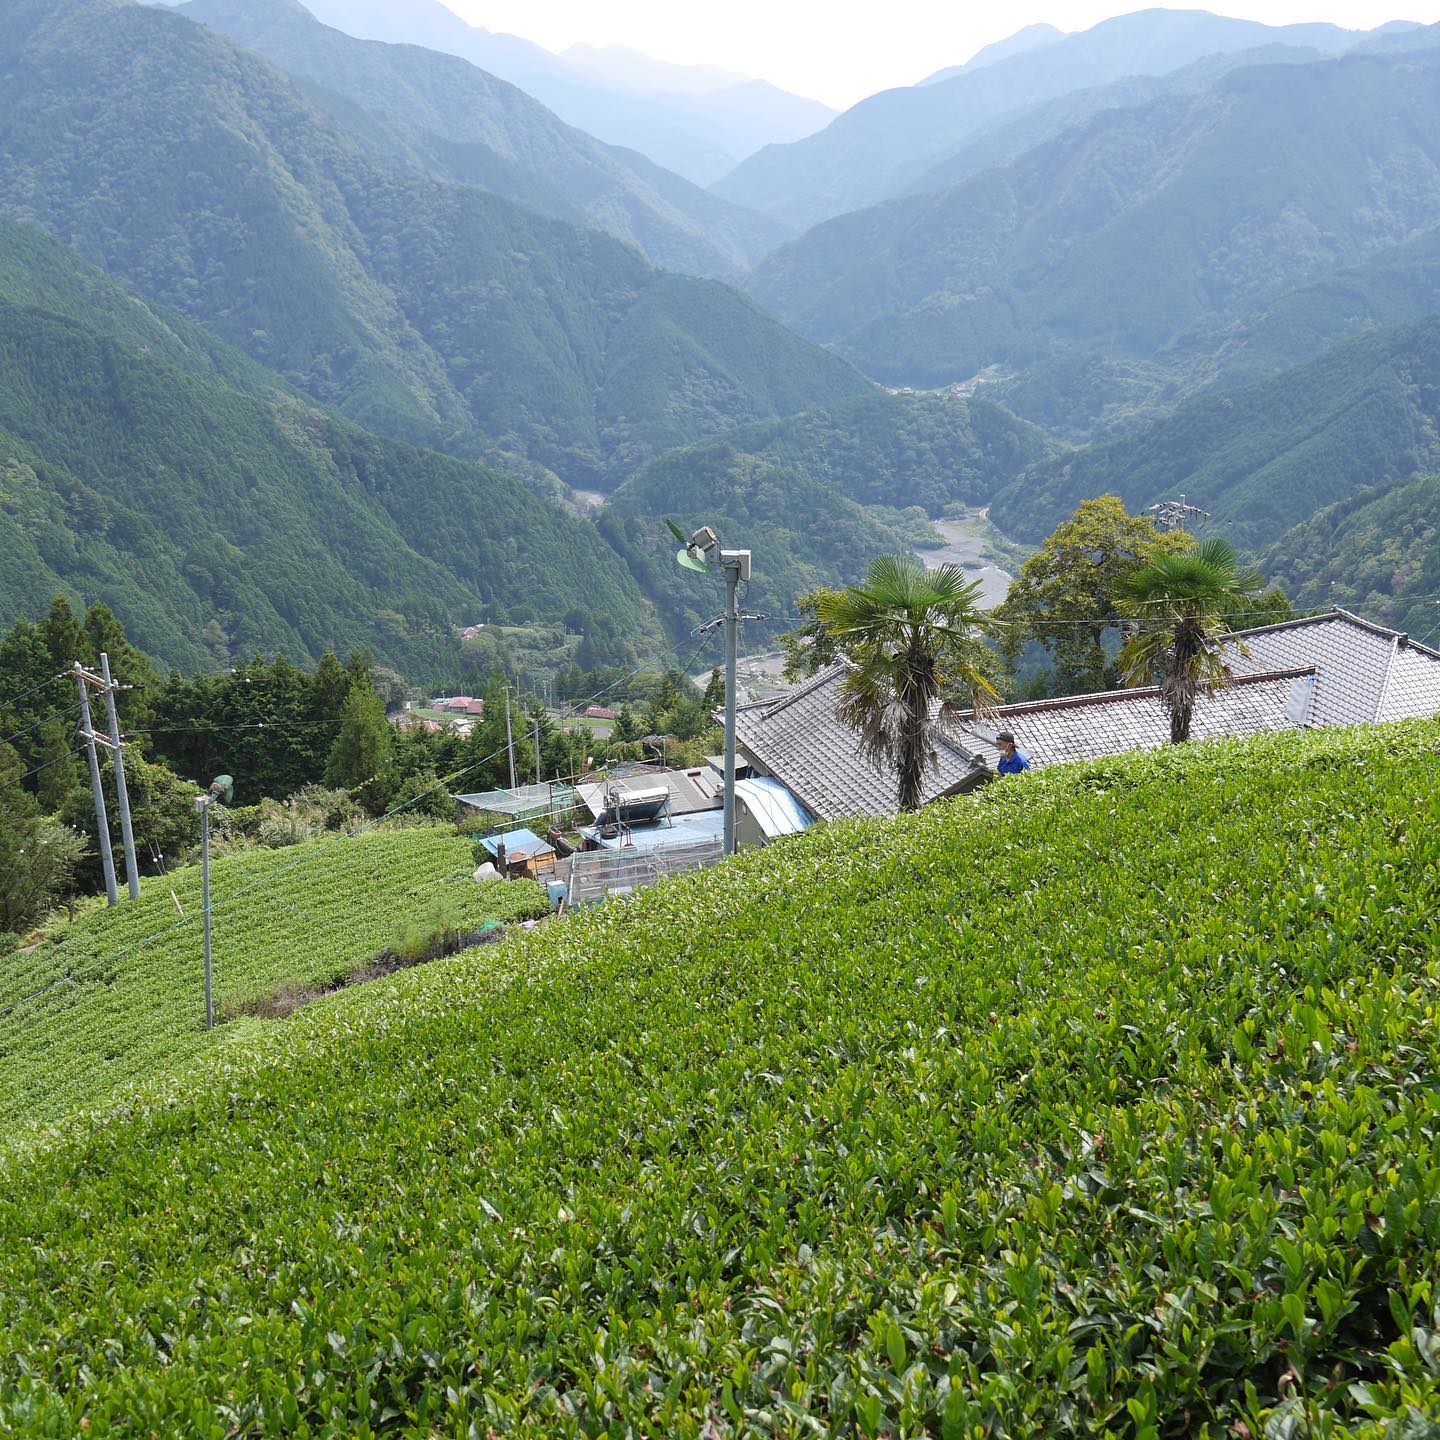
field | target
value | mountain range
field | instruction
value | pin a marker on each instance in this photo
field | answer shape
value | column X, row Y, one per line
column 311, row 340
column 695, row 121
column 1124, row 235
column 431, row 312
column 880, row 147
column 442, row 115
column 220, row 513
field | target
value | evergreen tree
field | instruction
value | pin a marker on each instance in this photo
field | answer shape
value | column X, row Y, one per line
column 359, row 758
column 102, row 632
column 60, row 772
column 19, row 832
column 626, row 727
column 715, row 690
column 64, row 638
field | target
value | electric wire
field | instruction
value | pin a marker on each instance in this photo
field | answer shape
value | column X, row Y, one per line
column 269, row 880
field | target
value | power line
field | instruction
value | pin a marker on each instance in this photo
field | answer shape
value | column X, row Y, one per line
column 270, row 880
column 34, row 690
column 69, row 754
column 11, row 739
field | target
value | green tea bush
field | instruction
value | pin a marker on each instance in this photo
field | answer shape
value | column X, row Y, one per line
column 119, row 995
column 1103, row 1103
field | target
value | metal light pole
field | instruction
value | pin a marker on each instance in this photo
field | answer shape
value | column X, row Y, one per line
column 102, row 819
column 221, row 784
column 702, row 552
column 509, row 738
column 732, row 627
column 202, row 808
column 122, row 792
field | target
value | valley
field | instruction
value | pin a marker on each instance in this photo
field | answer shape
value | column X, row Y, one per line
column 410, row 1022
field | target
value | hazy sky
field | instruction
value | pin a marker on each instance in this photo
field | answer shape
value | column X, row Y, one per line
column 841, row 50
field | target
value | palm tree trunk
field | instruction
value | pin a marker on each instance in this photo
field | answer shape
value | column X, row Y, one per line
column 916, row 701
column 1189, row 646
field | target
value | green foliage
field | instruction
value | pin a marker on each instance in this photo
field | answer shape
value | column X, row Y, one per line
column 1183, row 603
column 439, row 926
column 115, row 1005
column 981, row 1135
column 1377, row 553
column 912, row 639
column 162, row 806
column 816, row 496
column 218, row 523
column 360, row 755
column 1064, row 598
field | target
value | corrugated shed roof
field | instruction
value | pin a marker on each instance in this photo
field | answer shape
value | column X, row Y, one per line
column 774, row 808
column 799, row 741
column 1363, row 672
column 1083, row 727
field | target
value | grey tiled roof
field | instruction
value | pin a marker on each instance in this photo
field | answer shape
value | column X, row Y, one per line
column 1363, row 671
column 799, row 741
column 1082, row 727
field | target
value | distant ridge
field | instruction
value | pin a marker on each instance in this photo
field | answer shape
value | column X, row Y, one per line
column 1029, row 38
column 488, row 132
column 879, row 147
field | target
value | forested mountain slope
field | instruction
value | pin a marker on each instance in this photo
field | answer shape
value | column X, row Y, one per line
column 562, row 171
column 1130, row 230
column 816, row 496
column 1265, row 456
column 971, row 1133
column 881, row 146
column 1005, row 140
column 1377, row 553
column 222, row 519
column 426, row 311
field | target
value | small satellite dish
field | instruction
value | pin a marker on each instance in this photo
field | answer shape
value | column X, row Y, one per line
column 687, row 561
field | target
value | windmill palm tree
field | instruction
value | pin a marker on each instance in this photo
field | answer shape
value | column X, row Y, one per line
column 910, row 634
column 1181, row 602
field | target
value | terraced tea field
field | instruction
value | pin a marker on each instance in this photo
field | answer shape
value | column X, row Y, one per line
column 1103, row 1103
column 119, row 996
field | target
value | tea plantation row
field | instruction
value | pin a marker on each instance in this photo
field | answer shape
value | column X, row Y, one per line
column 119, row 996
column 1103, row 1103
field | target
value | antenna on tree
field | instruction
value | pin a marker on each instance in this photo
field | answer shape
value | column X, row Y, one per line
column 1174, row 514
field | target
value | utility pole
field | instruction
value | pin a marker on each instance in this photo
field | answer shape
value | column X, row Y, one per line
column 509, row 738
column 102, row 820
column 537, row 747
column 202, row 805
column 122, row 792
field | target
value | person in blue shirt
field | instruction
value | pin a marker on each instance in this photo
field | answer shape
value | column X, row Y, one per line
column 1012, row 761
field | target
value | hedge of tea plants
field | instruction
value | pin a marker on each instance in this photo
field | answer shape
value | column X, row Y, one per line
column 119, row 995
column 1103, row 1103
